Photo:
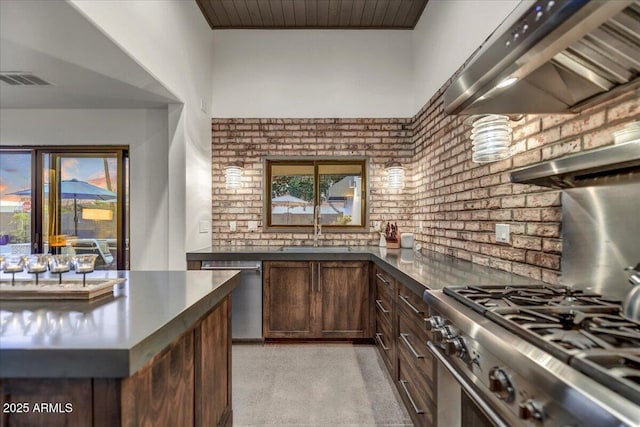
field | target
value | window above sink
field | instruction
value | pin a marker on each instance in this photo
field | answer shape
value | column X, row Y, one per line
column 297, row 188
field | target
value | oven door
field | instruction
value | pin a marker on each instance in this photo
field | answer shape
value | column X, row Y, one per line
column 459, row 404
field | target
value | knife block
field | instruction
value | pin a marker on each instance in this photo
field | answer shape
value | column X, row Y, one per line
column 393, row 244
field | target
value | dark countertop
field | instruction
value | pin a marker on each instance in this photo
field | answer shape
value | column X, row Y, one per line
column 111, row 337
column 419, row 272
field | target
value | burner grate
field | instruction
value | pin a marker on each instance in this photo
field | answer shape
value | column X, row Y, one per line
column 487, row 298
column 618, row 371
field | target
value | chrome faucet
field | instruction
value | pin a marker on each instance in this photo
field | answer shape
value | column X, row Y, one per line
column 317, row 225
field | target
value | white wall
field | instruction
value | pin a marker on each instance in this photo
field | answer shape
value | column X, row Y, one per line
column 172, row 40
column 144, row 130
column 319, row 73
column 311, row 73
column 448, row 32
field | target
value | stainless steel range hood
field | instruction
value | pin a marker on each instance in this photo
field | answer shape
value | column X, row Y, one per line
column 565, row 54
column 607, row 165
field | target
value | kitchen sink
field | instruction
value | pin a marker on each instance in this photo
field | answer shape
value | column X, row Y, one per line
column 311, row 249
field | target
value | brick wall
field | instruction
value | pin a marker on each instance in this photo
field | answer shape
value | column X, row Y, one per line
column 251, row 140
column 456, row 201
column 459, row 202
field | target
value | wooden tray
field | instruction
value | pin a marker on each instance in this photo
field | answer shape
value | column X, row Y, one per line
column 49, row 289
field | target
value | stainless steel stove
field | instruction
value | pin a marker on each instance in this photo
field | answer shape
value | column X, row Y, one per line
column 539, row 355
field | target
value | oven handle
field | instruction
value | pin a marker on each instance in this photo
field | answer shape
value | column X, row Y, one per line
column 466, row 386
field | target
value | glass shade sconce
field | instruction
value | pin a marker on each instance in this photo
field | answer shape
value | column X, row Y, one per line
column 491, row 138
column 395, row 174
column 233, row 175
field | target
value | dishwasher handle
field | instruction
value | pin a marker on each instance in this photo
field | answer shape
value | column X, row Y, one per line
column 225, row 268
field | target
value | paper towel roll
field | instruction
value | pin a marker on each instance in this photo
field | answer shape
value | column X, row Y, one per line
column 406, row 240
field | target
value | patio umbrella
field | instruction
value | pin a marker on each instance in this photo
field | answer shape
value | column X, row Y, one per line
column 289, row 202
column 75, row 189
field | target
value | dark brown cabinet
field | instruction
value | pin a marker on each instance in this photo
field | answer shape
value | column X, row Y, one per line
column 416, row 377
column 288, row 299
column 316, row 300
column 401, row 340
column 213, row 365
column 343, row 300
column 384, row 305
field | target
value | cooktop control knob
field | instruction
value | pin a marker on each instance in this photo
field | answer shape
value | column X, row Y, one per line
column 444, row 333
column 531, row 410
column 500, row 384
column 454, row 347
column 438, row 335
column 433, row 323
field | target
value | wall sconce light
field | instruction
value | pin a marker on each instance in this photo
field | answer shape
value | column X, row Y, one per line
column 491, row 138
column 233, row 175
column 395, row 173
column 97, row 214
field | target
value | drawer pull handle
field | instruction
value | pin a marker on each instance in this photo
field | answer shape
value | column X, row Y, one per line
column 406, row 301
column 379, row 339
column 408, row 344
column 381, row 307
column 382, row 279
column 404, row 383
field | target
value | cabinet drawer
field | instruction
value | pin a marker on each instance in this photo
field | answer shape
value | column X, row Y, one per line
column 383, row 308
column 384, row 282
column 383, row 293
column 412, row 346
column 413, row 392
column 412, row 303
column 384, row 342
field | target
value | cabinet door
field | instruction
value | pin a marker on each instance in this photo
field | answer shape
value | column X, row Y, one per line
column 344, row 300
column 288, row 300
column 213, row 367
column 162, row 393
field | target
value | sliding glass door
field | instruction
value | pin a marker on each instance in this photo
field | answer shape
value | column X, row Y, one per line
column 76, row 198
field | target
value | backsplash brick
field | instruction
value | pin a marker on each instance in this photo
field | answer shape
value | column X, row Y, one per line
column 252, row 140
column 444, row 173
column 457, row 202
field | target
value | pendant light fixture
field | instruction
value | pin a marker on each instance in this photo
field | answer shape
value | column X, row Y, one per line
column 491, row 137
column 395, row 173
column 233, row 175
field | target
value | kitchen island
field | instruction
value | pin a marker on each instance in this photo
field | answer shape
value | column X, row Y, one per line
column 157, row 353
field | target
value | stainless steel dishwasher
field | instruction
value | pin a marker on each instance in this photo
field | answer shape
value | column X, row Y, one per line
column 246, row 299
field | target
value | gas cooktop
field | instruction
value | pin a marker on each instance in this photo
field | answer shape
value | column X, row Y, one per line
column 483, row 298
column 582, row 329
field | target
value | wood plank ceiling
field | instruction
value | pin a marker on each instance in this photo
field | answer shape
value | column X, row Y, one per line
column 307, row 14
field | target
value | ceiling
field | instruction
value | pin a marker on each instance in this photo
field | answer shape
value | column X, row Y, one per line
column 86, row 69
column 312, row 14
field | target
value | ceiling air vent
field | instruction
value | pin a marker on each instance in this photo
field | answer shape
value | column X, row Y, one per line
column 22, row 78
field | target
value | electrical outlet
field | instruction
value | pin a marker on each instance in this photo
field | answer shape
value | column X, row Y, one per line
column 252, row 225
column 503, row 232
column 203, row 226
column 232, row 226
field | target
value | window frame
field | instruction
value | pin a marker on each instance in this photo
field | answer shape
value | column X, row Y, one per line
column 316, row 163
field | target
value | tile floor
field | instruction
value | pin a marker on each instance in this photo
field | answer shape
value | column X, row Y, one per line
column 313, row 385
